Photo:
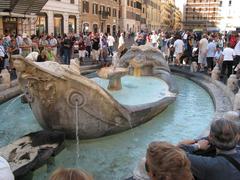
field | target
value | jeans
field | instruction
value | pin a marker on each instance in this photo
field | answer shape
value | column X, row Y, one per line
column 66, row 55
column 227, row 65
column 110, row 49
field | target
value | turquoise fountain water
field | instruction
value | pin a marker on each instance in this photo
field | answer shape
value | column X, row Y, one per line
column 137, row 90
column 114, row 157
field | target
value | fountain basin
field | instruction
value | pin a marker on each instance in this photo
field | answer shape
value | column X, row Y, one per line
column 186, row 118
column 59, row 96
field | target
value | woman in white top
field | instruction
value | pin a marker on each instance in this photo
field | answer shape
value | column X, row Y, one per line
column 121, row 41
column 227, row 57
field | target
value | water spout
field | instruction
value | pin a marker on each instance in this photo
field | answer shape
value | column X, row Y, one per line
column 12, row 103
column 77, row 127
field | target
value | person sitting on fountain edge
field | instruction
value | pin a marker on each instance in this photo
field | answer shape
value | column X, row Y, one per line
column 226, row 161
column 211, row 151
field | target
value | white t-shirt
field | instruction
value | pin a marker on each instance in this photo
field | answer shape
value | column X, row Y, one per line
column 228, row 54
column 5, row 171
column 179, row 46
column 154, row 38
column 53, row 42
column 110, row 40
column 211, row 49
column 203, row 45
column 121, row 41
column 237, row 48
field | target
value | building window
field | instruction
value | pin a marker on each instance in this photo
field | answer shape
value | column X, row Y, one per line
column 194, row 9
column 58, row 24
column 108, row 29
column 72, row 1
column 102, row 8
column 95, row 28
column 109, row 11
column 85, row 28
column 220, row 4
column 114, row 30
column 128, row 2
column 72, row 24
column 95, row 9
column 85, row 7
column 114, row 13
column 41, row 24
column 230, row 3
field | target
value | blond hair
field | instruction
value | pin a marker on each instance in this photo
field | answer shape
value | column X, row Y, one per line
column 167, row 162
column 70, row 174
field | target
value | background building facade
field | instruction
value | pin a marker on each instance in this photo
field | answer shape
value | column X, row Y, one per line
column 58, row 17
column 153, row 14
column 74, row 16
column 19, row 16
column 132, row 11
column 99, row 16
column 201, row 14
column 229, row 14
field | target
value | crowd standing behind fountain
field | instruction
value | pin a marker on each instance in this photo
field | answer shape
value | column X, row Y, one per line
column 179, row 48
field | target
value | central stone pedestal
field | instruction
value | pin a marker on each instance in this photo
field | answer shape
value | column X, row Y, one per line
column 114, row 75
column 141, row 68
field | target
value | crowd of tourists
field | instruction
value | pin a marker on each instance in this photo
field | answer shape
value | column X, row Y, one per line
column 97, row 46
column 179, row 48
column 206, row 49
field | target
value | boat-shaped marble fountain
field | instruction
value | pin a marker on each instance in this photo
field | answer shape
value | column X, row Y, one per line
column 131, row 92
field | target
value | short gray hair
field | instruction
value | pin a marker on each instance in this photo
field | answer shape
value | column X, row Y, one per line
column 223, row 134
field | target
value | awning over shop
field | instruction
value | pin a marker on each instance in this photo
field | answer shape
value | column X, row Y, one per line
column 22, row 6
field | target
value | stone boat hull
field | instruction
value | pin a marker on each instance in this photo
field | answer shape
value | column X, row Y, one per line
column 62, row 100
